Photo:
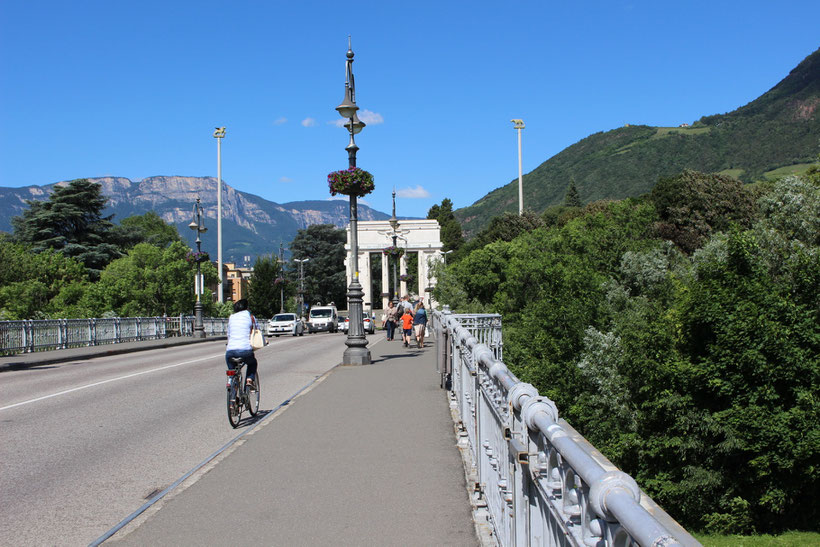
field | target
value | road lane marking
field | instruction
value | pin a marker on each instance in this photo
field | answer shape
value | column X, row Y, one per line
column 64, row 392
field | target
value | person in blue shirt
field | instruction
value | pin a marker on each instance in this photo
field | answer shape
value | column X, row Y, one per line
column 420, row 323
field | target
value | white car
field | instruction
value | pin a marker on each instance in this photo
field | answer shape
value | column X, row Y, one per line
column 369, row 325
column 286, row 323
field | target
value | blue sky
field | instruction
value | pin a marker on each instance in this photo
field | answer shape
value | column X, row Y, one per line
column 135, row 89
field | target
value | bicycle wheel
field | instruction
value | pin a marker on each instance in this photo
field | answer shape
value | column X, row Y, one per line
column 252, row 393
column 234, row 404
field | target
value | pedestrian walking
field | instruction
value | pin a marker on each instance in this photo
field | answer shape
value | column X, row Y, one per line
column 392, row 319
column 407, row 326
column 420, row 323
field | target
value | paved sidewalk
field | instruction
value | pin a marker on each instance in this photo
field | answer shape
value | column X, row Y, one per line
column 367, row 456
column 26, row 360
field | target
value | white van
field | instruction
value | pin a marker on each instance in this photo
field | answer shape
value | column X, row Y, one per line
column 323, row 318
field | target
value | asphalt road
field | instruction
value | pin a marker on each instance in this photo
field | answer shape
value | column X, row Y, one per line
column 83, row 444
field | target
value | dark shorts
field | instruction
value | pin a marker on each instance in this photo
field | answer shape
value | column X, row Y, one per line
column 408, row 332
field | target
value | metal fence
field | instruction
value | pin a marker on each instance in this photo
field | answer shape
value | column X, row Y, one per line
column 40, row 335
column 542, row 483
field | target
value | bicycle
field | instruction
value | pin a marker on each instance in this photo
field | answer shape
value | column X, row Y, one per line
column 241, row 396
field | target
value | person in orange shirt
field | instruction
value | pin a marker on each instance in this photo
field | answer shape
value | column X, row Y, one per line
column 407, row 326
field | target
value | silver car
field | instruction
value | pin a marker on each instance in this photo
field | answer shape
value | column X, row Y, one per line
column 286, row 323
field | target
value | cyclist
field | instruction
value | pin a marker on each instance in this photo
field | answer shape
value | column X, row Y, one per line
column 240, row 325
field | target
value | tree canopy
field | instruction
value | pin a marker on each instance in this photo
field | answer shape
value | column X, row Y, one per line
column 689, row 356
column 451, row 237
column 70, row 221
column 325, row 280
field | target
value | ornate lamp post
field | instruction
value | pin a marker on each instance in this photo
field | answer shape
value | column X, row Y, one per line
column 519, row 125
column 196, row 224
column 356, row 352
column 394, row 223
column 218, row 135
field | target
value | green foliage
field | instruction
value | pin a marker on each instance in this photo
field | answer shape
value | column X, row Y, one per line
column 147, row 228
column 572, row 198
column 325, row 279
column 697, row 372
column 150, row 281
column 38, row 285
column 70, row 221
column 693, row 205
column 451, row 236
column 264, row 295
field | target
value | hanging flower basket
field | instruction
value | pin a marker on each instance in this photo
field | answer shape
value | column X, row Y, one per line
column 197, row 256
column 395, row 252
column 350, row 182
column 280, row 281
column 407, row 278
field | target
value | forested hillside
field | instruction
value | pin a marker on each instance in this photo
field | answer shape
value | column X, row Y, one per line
column 679, row 332
column 775, row 134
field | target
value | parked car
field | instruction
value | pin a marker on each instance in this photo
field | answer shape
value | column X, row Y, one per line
column 286, row 323
column 343, row 323
column 323, row 318
column 369, row 325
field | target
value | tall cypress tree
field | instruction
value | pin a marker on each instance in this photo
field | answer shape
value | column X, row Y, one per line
column 451, row 235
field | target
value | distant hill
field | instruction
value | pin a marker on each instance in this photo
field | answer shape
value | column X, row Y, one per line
column 251, row 226
column 775, row 134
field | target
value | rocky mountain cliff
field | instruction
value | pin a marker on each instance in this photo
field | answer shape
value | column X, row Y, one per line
column 251, row 225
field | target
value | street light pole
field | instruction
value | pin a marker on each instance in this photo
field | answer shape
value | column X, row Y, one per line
column 282, row 284
column 301, row 284
column 519, row 125
column 196, row 224
column 356, row 352
column 444, row 254
column 394, row 223
column 218, row 135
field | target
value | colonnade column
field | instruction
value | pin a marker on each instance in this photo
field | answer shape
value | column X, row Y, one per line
column 385, row 281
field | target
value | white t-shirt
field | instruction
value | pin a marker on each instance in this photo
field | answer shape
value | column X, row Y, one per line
column 239, row 331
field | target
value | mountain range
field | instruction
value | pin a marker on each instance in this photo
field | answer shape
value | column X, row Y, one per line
column 251, row 225
column 773, row 135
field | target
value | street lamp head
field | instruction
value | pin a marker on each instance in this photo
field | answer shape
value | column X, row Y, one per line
column 193, row 225
column 357, row 125
column 348, row 107
column 219, row 133
column 519, row 124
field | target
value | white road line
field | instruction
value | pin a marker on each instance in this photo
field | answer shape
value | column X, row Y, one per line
column 110, row 380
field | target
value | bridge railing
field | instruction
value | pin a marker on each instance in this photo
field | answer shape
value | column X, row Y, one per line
column 47, row 334
column 541, row 481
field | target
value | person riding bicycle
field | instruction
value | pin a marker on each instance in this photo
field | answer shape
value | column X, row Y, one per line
column 240, row 325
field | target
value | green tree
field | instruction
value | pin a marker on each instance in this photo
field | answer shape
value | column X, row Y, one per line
column 150, row 281
column 325, row 279
column 263, row 289
column 37, row 285
column 693, row 205
column 70, row 221
column 572, row 198
column 451, row 235
column 146, row 228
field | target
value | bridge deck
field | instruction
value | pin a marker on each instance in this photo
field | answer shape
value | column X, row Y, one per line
column 367, row 456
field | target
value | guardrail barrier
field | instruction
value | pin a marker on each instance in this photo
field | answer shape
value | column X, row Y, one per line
column 47, row 334
column 539, row 480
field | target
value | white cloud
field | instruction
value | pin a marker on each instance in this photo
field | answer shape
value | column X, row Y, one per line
column 309, row 122
column 285, row 179
column 280, row 121
column 413, row 193
column 370, row 117
column 367, row 116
